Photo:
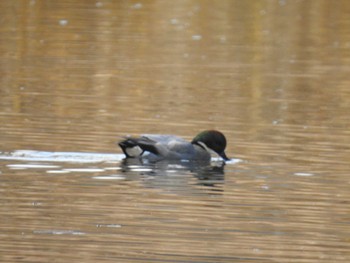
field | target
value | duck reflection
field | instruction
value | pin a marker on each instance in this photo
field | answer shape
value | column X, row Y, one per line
column 176, row 173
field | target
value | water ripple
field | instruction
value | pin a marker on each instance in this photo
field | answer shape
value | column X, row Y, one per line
column 74, row 157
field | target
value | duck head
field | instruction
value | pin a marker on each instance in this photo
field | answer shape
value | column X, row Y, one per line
column 212, row 140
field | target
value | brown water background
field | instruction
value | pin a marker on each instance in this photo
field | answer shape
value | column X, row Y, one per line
column 273, row 76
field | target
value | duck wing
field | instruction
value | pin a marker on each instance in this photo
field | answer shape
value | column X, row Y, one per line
column 173, row 147
column 160, row 145
column 163, row 138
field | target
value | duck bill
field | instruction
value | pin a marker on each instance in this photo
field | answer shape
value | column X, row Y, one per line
column 223, row 156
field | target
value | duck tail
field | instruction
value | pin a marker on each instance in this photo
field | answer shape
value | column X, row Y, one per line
column 130, row 148
column 135, row 147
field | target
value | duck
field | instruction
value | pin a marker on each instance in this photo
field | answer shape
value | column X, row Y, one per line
column 156, row 147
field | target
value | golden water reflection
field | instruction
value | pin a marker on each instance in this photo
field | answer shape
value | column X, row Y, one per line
column 272, row 75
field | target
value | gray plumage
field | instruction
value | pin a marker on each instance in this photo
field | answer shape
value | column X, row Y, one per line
column 159, row 147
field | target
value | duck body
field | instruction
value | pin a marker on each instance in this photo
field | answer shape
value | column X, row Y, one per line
column 155, row 147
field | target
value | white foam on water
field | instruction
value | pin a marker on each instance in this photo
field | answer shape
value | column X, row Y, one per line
column 84, row 170
column 109, row 177
column 70, row 157
column 303, row 174
column 32, row 166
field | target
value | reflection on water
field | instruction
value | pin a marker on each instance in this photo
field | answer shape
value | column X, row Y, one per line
column 169, row 173
column 273, row 76
column 58, row 199
column 99, row 164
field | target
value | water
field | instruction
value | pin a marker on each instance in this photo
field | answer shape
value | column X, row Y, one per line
column 76, row 76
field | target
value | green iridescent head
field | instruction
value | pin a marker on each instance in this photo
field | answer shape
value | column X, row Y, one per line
column 212, row 140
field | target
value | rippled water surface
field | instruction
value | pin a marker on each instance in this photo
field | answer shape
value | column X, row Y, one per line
column 76, row 76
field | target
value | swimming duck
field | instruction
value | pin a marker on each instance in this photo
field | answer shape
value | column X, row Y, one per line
column 170, row 147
